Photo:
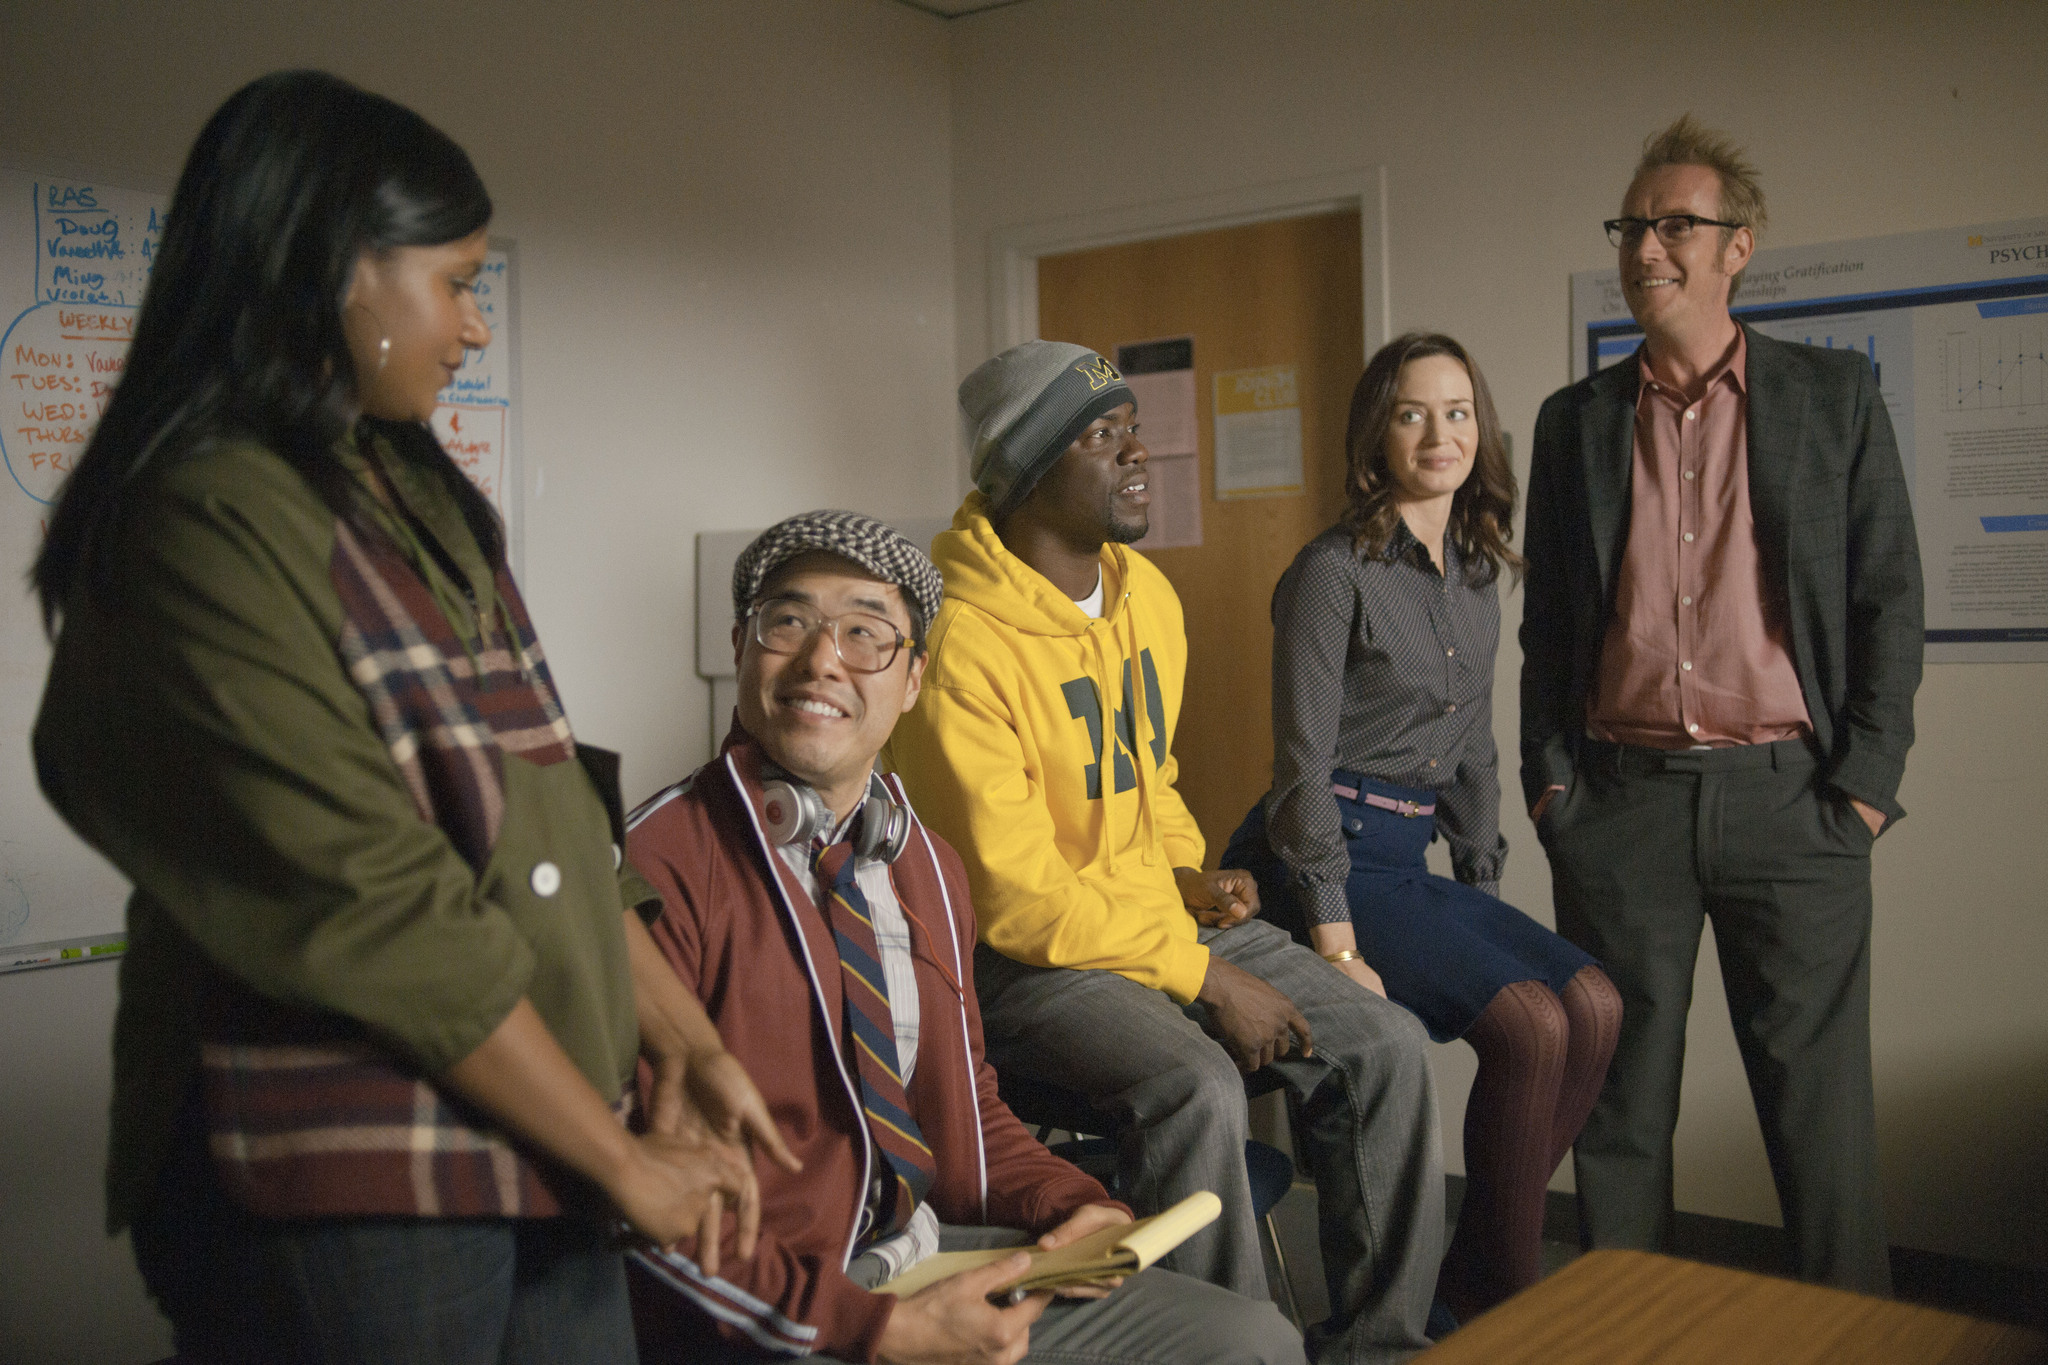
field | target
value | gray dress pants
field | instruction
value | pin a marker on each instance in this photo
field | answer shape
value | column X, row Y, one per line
column 1176, row 1103
column 1643, row 847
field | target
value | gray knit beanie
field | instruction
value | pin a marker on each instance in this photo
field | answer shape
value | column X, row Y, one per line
column 878, row 548
column 1026, row 406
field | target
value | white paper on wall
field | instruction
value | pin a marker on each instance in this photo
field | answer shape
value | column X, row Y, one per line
column 1258, row 433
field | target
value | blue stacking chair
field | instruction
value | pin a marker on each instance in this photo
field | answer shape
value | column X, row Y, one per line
column 1050, row 1108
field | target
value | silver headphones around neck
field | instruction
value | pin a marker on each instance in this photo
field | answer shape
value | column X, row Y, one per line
column 796, row 814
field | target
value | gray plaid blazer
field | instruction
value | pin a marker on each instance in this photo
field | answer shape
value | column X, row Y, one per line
column 1835, row 531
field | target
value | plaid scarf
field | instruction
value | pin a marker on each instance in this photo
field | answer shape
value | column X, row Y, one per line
column 305, row 1116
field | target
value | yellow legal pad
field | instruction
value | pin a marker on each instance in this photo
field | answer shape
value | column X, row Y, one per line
column 1124, row 1249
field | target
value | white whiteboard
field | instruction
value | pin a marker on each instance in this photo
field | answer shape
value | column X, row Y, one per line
column 75, row 255
column 1955, row 321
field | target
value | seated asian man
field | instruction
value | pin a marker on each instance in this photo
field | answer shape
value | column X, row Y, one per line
column 830, row 936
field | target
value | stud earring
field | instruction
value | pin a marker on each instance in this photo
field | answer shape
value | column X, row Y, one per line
column 383, row 337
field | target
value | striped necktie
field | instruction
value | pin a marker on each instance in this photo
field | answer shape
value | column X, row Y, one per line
column 871, row 1029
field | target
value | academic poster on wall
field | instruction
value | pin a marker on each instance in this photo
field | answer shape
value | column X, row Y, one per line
column 1955, row 322
column 75, row 257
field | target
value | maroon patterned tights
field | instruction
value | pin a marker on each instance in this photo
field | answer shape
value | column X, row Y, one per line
column 1542, row 1058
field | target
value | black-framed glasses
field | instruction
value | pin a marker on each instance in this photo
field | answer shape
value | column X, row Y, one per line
column 865, row 643
column 1672, row 229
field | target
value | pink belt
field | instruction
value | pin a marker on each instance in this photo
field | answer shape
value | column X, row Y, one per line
column 1405, row 809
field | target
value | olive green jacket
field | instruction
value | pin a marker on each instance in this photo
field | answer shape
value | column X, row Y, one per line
column 200, row 728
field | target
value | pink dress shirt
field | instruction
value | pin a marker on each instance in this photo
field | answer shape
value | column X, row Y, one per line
column 1696, row 652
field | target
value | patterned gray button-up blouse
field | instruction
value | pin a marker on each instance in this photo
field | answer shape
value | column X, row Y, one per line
column 1385, row 668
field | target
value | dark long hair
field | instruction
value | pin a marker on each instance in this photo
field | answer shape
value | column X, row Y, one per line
column 1482, row 511
column 239, row 336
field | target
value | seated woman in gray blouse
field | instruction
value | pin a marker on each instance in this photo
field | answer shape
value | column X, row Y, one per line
column 1384, row 630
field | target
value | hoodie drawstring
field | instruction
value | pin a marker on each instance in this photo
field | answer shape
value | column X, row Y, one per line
column 1147, row 777
column 1106, row 759
column 1111, row 689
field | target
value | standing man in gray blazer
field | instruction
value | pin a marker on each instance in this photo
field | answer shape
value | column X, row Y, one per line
column 1721, row 642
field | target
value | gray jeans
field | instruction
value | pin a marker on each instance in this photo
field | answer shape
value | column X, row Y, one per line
column 1176, row 1103
column 1156, row 1318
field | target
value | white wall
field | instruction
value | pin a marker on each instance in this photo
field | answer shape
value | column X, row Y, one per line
column 752, row 242
column 1508, row 131
column 735, row 247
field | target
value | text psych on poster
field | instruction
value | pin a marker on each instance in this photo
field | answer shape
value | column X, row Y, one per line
column 75, row 259
column 1955, row 323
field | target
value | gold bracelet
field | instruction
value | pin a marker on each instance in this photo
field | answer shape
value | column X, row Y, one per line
column 1343, row 955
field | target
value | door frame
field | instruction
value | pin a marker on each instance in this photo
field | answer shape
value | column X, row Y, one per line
column 1013, row 251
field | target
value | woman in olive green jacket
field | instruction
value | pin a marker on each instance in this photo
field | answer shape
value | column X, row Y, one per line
column 383, row 999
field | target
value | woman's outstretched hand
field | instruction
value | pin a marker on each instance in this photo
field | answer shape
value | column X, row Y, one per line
column 725, row 1101
column 699, row 1088
column 668, row 1185
column 672, row 1187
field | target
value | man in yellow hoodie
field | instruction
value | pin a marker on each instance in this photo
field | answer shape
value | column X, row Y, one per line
column 1110, row 964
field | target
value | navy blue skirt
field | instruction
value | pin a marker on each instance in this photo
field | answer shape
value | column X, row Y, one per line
column 1443, row 949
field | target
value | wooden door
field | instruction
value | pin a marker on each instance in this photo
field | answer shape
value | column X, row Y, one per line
column 1276, row 293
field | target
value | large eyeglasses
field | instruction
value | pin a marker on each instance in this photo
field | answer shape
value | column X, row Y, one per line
column 1672, row 229
column 864, row 642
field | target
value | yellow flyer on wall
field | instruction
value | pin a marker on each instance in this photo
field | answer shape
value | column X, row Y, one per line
column 1258, row 433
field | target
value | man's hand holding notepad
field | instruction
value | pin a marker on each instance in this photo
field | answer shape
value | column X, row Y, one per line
column 1107, row 1254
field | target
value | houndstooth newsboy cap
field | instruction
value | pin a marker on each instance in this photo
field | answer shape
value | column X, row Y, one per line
column 871, row 544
